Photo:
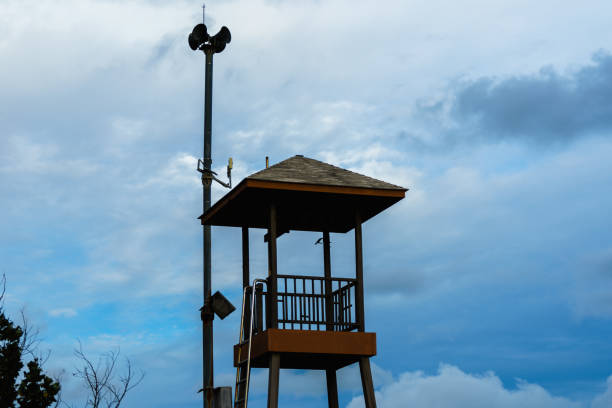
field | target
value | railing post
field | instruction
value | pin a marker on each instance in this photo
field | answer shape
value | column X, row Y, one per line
column 259, row 307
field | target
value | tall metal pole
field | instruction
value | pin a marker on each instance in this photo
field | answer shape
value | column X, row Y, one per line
column 199, row 39
column 207, row 324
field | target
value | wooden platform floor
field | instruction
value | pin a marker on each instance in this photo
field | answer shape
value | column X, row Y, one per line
column 308, row 349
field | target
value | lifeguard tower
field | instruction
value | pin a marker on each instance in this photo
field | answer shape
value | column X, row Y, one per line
column 308, row 321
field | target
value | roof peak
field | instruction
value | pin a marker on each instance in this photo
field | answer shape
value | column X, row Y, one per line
column 305, row 170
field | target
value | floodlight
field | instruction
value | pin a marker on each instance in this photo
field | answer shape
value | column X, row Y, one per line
column 221, row 306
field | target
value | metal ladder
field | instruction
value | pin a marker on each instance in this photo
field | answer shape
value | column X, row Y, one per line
column 243, row 370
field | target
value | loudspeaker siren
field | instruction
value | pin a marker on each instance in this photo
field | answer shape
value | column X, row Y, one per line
column 193, row 43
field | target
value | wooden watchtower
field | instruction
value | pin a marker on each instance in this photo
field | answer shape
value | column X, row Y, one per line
column 304, row 322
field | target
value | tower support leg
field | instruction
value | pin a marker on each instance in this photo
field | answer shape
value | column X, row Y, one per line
column 273, row 375
column 332, row 388
column 366, row 382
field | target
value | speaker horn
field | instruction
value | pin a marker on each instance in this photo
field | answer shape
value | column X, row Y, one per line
column 198, row 36
column 221, row 39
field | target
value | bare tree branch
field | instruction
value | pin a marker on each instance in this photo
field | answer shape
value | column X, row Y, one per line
column 29, row 341
column 30, row 386
column 100, row 379
column 3, row 280
column 127, row 382
column 30, row 338
column 58, row 378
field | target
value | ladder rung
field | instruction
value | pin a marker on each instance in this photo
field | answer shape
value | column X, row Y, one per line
column 241, row 381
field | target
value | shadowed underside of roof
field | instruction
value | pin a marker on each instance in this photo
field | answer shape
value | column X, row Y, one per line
column 309, row 195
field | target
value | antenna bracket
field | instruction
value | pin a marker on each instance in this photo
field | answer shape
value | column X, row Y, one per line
column 208, row 175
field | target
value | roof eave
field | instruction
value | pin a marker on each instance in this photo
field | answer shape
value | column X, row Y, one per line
column 398, row 193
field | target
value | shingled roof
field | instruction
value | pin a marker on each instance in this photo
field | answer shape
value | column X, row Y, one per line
column 303, row 170
column 310, row 195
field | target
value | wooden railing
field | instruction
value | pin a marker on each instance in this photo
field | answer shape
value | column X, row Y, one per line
column 308, row 303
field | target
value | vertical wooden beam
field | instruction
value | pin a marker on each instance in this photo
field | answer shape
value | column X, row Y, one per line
column 332, row 388
column 273, row 379
column 245, row 257
column 246, row 277
column 366, row 382
column 359, row 274
column 329, row 307
column 272, row 282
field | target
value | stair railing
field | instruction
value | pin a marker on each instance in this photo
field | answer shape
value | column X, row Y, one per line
column 241, row 340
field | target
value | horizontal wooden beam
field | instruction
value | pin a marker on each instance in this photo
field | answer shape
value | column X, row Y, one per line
column 309, row 349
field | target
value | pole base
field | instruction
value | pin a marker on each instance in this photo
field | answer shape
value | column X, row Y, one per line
column 222, row 397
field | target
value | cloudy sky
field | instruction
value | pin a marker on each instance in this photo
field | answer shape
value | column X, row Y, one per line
column 490, row 285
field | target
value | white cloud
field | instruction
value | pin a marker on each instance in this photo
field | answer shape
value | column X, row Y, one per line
column 459, row 205
column 20, row 155
column 364, row 40
column 179, row 171
column 453, row 388
column 63, row 312
column 51, row 44
column 604, row 400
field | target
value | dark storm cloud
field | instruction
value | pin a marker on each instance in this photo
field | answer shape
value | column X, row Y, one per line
column 546, row 107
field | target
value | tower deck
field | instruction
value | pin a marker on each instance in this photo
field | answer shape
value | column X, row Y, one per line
column 307, row 349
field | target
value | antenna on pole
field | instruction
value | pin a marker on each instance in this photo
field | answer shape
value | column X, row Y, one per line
column 203, row 13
